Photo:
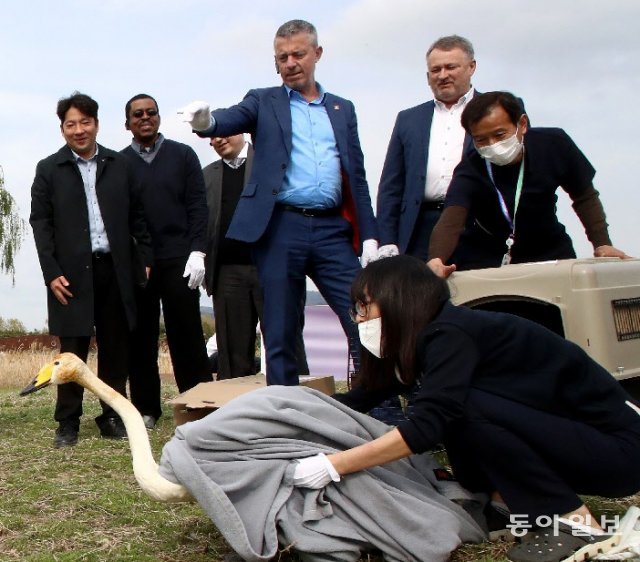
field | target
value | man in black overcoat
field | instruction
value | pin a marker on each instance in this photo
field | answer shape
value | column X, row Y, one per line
column 87, row 220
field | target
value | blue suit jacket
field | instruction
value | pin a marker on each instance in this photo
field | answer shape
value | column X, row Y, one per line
column 266, row 115
column 402, row 184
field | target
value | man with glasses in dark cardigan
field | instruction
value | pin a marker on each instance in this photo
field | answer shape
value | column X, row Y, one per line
column 176, row 212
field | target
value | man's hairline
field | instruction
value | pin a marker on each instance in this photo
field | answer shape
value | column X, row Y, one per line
column 314, row 43
column 155, row 103
column 96, row 120
column 469, row 58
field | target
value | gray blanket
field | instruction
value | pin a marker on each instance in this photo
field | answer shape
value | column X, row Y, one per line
column 237, row 463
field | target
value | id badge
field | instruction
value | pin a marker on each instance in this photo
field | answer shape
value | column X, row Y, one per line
column 506, row 259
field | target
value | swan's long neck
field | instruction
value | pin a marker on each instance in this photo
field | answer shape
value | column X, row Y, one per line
column 145, row 468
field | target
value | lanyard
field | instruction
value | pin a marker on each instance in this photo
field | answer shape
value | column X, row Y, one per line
column 506, row 259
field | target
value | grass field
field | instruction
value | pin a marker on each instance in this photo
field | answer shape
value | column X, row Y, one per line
column 83, row 504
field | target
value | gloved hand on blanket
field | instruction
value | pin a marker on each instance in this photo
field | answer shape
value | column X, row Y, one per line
column 314, row 472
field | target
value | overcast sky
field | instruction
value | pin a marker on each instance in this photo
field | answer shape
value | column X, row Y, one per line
column 576, row 65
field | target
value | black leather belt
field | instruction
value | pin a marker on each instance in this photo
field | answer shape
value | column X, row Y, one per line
column 101, row 255
column 432, row 206
column 334, row 211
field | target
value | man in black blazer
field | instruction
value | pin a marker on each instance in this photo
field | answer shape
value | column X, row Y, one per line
column 426, row 144
column 85, row 215
column 230, row 276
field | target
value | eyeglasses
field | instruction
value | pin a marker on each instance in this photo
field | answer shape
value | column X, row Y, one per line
column 140, row 112
column 359, row 310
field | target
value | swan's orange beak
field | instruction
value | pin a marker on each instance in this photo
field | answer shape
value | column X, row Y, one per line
column 43, row 378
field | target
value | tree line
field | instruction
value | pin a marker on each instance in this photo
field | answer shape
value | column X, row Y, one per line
column 12, row 230
column 11, row 327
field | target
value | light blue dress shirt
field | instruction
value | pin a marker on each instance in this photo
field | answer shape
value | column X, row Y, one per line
column 88, row 168
column 312, row 179
column 147, row 154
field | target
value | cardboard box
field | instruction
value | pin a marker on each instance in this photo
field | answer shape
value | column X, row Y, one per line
column 205, row 397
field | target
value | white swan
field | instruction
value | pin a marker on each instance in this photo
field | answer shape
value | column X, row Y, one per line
column 67, row 367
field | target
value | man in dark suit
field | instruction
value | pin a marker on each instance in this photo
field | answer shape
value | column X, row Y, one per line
column 426, row 144
column 85, row 209
column 306, row 206
column 230, row 275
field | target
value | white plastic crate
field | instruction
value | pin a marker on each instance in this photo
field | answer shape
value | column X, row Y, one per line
column 593, row 302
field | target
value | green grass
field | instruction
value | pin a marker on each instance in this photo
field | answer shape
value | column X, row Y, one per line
column 83, row 504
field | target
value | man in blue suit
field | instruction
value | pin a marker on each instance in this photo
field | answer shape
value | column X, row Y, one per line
column 306, row 207
column 426, row 144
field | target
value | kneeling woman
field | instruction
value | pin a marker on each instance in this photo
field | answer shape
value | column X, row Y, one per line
column 525, row 415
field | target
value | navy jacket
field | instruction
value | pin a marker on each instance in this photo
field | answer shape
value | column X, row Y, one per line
column 551, row 160
column 402, row 183
column 265, row 114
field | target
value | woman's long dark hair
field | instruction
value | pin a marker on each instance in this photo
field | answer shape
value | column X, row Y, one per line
column 409, row 295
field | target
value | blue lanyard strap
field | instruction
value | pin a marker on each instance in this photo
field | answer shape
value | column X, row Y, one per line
column 503, row 204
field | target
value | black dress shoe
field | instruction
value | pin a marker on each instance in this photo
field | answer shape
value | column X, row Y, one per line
column 112, row 428
column 66, row 436
column 149, row 421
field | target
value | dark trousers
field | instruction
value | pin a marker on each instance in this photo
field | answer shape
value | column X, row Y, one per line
column 237, row 303
column 112, row 338
column 418, row 246
column 238, row 307
column 294, row 246
column 181, row 310
column 539, row 462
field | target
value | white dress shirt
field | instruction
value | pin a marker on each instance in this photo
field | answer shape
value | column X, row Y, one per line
column 445, row 147
column 239, row 160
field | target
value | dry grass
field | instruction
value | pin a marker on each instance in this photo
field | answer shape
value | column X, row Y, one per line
column 18, row 367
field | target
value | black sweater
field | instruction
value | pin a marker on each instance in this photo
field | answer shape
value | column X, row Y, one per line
column 507, row 356
column 174, row 199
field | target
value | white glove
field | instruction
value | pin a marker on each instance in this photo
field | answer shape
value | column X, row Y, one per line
column 388, row 251
column 315, row 472
column 369, row 252
column 194, row 269
column 197, row 114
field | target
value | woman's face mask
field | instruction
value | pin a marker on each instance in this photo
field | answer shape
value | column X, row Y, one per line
column 370, row 332
column 503, row 152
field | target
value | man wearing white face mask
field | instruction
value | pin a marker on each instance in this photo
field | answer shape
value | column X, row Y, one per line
column 508, row 187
